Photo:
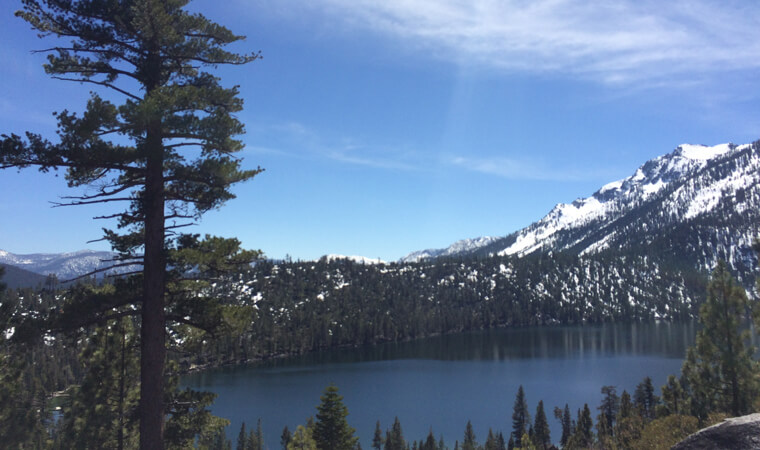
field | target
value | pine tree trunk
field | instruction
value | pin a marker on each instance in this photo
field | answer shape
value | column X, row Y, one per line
column 152, row 345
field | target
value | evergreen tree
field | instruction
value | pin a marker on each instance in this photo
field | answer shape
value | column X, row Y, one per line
column 491, row 442
column 152, row 52
column 394, row 438
column 302, row 439
column 285, row 438
column 469, row 442
column 644, row 399
column 626, row 407
column 377, row 439
column 19, row 423
column 255, row 439
column 541, row 432
column 218, row 441
column 720, row 368
column 629, row 422
column 674, row 400
column 429, row 443
column 584, row 435
column 103, row 405
column 500, row 445
column 566, row 420
column 242, row 438
column 608, row 412
column 331, row 431
column 520, row 417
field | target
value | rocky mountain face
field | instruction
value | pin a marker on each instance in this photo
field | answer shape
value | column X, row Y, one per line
column 692, row 206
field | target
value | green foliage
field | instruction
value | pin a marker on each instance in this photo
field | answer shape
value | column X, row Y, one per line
column 377, row 438
column 675, row 399
column 584, row 435
column 331, row 430
column 285, row 438
column 720, row 370
column 520, row 417
column 102, row 411
column 469, row 442
column 302, row 439
column 644, row 399
column 541, row 431
column 608, row 413
column 663, row 433
column 394, row 438
column 20, row 425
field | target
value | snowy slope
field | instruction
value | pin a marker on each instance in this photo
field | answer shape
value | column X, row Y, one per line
column 64, row 265
column 458, row 247
column 693, row 205
column 619, row 198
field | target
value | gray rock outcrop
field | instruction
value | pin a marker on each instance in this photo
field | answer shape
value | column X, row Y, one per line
column 737, row 433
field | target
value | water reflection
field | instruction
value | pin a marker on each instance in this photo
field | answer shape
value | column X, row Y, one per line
column 667, row 340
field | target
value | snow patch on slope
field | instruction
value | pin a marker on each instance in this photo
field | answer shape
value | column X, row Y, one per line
column 462, row 246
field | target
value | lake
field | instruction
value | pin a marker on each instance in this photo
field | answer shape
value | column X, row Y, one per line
column 442, row 382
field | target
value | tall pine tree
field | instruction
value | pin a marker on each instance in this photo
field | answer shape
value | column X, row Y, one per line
column 331, row 430
column 520, row 416
column 167, row 151
column 720, row 369
column 541, row 431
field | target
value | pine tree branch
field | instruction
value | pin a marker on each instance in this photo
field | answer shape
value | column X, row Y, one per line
column 116, row 55
column 103, row 192
column 100, row 83
column 104, row 269
column 103, row 200
column 117, row 215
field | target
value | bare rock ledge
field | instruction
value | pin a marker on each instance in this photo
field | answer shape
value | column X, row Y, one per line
column 737, row 433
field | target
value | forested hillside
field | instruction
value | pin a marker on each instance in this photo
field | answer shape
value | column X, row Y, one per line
column 299, row 307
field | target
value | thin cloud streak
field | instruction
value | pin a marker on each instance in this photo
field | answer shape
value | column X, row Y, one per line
column 622, row 41
column 295, row 139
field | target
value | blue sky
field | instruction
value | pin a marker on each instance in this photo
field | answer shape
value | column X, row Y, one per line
column 393, row 126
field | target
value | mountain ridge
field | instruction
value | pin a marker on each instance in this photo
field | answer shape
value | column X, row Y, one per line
column 693, row 189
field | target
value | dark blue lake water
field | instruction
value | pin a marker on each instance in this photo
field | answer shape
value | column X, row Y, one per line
column 444, row 381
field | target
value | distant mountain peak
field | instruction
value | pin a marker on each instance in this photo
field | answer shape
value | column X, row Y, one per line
column 696, row 204
column 65, row 266
column 703, row 152
column 461, row 246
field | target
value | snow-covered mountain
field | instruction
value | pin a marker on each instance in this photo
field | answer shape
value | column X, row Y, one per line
column 697, row 203
column 459, row 247
column 64, row 265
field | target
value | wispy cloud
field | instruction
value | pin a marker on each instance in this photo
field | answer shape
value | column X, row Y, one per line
column 617, row 41
column 350, row 156
column 515, row 169
column 295, row 139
